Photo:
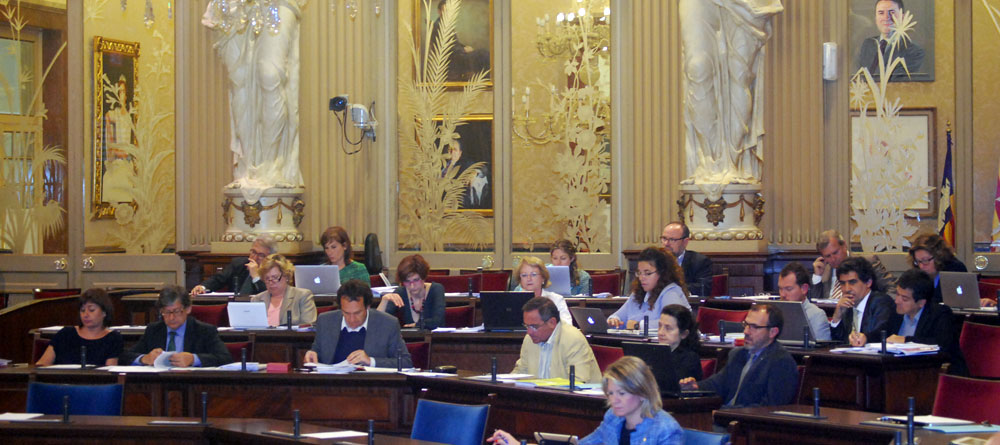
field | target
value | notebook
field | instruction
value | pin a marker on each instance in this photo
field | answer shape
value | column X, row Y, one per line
column 660, row 360
column 590, row 320
column 502, row 310
column 247, row 314
column 960, row 290
column 796, row 323
column 559, row 277
column 321, row 280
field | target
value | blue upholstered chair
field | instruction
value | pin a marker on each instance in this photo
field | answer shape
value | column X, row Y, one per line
column 94, row 400
column 450, row 423
column 695, row 437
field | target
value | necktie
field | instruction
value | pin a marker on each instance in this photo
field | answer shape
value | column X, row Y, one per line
column 881, row 45
column 170, row 343
column 857, row 320
column 743, row 374
column 836, row 292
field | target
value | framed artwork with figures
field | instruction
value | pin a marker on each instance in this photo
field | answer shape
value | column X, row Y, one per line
column 474, row 145
column 472, row 50
column 866, row 27
column 115, row 79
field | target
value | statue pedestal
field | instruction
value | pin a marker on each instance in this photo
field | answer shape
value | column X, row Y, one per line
column 277, row 214
column 728, row 224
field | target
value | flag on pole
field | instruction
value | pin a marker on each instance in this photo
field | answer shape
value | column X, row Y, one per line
column 995, row 233
column 946, row 203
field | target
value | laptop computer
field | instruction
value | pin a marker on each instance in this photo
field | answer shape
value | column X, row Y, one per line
column 960, row 290
column 796, row 323
column 590, row 320
column 247, row 314
column 559, row 276
column 502, row 310
column 660, row 360
column 321, row 280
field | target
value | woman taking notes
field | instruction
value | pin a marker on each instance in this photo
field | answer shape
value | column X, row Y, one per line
column 533, row 276
column 280, row 297
column 564, row 254
column 420, row 302
column 659, row 282
column 635, row 412
column 103, row 345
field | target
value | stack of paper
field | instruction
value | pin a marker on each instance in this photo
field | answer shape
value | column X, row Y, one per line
column 904, row 349
column 338, row 368
column 503, row 378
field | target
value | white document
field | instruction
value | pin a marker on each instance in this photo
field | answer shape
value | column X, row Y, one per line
column 131, row 369
column 238, row 366
column 335, row 435
column 338, row 368
column 427, row 374
column 63, row 367
column 502, row 376
column 19, row 416
column 376, row 369
column 163, row 360
column 216, row 294
column 379, row 291
column 50, row 329
column 929, row 420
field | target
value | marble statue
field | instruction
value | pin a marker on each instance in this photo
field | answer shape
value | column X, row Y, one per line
column 723, row 43
column 263, row 77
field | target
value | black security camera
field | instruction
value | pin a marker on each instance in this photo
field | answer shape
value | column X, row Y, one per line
column 338, row 103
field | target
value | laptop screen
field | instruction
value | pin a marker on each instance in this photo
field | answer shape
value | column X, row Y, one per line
column 321, row 280
column 247, row 314
column 502, row 310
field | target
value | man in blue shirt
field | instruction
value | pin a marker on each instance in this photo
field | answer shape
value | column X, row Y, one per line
column 194, row 343
column 918, row 320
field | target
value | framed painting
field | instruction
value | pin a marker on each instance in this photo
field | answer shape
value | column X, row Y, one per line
column 921, row 123
column 474, row 144
column 115, row 78
column 867, row 26
column 472, row 50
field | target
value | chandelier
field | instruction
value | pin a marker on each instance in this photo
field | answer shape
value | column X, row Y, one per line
column 581, row 38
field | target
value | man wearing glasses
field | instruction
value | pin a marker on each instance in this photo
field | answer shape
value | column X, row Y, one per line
column 697, row 267
column 762, row 372
column 242, row 275
column 833, row 250
column 552, row 346
column 192, row 342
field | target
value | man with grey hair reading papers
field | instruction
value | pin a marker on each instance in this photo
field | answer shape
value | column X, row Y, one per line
column 552, row 346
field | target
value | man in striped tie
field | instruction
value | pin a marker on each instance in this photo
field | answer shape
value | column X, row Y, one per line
column 833, row 250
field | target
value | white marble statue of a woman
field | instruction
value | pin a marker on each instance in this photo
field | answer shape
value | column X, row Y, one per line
column 723, row 43
column 263, row 74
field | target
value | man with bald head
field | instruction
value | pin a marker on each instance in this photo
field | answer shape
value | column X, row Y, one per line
column 697, row 267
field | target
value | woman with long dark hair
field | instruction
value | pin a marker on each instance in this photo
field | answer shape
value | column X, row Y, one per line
column 659, row 281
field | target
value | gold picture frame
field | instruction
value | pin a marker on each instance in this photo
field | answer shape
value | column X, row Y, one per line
column 116, row 77
column 476, row 139
column 475, row 25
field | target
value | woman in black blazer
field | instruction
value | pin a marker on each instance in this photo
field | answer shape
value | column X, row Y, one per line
column 678, row 329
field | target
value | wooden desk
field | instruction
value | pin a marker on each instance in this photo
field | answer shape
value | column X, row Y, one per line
column 131, row 430
column 521, row 411
column 749, row 426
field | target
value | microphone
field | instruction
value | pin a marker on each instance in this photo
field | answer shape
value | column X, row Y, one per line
column 371, row 432
column 288, row 319
column 572, row 377
column 493, row 369
column 883, row 341
column 399, row 360
column 815, row 402
column 645, row 325
column 909, row 421
column 66, row 409
column 204, row 406
column 83, row 356
column 805, row 336
column 722, row 331
column 243, row 359
column 470, row 287
column 295, row 424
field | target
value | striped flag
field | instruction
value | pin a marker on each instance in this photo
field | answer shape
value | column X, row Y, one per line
column 946, row 203
column 995, row 233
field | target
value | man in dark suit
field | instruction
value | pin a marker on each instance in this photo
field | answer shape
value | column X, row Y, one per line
column 887, row 12
column 919, row 320
column 862, row 313
column 762, row 372
column 356, row 334
column 194, row 343
column 833, row 250
column 241, row 275
column 697, row 267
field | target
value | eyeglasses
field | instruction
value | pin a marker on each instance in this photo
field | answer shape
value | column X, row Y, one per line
column 413, row 281
column 273, row 279
column 531, row 275
column 755, row 326
column 925, row 261
column 646, row 273
column 258, row 253
column 533, row 327
column 671, row 240
column 172, row 313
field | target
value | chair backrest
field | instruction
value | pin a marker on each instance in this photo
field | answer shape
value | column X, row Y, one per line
column 88, row 400
column 496, row 280
column 373, row 254
column 324, row 309
column 439, row 272
column 979, row 343
column 988, row 289
column 53, row 293
column 460, row 316
column 377, row 281
column 606, row 355
column 236, row 350
column 708, row 367
column 420, row 353
column 608, row 282
column 708, row 318
column 695, row 437
column 457, row 283
column 450, row 423
column 38, row 348
column 976, row 400
column 720, row 285
column 213, row 314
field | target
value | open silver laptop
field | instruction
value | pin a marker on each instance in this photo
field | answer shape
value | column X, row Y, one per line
column 796, row 322
column 960, row 290
column 247, row 314
column 559, row 276
column 321, row 280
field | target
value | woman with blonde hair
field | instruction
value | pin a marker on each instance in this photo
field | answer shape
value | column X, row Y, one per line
column 532, row 276
column 280, row 297
column 635, row 411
